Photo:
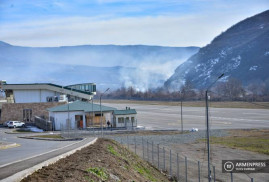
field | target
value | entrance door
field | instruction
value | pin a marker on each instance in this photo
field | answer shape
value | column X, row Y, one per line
column 27, row 115
column 79, row 121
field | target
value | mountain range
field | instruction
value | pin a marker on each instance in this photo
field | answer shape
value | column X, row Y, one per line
column 241, row 52
column 111, row 66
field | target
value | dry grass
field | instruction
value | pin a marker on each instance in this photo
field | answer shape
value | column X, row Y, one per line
column 148, row 132
column 253, row 140
column 49, row 136
column 250, row 105
column 105, row 160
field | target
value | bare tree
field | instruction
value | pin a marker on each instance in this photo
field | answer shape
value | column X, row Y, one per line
column 233, row 89
column 188, row 90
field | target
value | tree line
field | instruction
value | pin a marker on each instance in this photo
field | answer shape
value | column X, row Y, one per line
column 231, row 90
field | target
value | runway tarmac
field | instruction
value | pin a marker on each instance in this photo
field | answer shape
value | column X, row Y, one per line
column 168, row 117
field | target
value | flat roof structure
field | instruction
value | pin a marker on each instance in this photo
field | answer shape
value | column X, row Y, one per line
column 125, row 112
column 81, row 106
column 52, row 87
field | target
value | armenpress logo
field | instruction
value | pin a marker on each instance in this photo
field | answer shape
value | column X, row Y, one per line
column 228, row 166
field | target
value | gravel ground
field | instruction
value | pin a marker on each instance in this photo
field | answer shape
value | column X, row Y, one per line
column 185, row 145
column 167, row 140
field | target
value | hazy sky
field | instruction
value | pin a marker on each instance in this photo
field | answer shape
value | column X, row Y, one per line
column 121, row 22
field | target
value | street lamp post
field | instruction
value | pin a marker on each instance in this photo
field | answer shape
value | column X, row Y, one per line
column 207, row 127
column 101, row 117
column 92, row 114
column 181, row 116
column 68, row 120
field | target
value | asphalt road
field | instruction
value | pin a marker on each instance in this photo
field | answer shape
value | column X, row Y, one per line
column 168, row 117
column 30, row 152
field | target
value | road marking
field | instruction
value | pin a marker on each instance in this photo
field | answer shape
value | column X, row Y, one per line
column 41, row 154
column 257, row 114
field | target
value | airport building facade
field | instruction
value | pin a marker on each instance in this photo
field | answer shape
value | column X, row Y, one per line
column 65, row 106
column 25, row 101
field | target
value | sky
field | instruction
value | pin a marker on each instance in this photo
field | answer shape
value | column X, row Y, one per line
column 51, row 23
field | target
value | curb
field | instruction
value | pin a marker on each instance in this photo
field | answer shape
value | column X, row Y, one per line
column 51, row 139
column 7, row 132
column 23, row 174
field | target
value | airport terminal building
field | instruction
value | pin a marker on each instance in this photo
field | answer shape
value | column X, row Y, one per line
column 24, row 101
column 65, row 106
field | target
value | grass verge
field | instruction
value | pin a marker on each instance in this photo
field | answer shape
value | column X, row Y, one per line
column 145, row 172
column 217, row 104
column 99, row 172
column 49, row 136
column 255, row 140
column 111, row 149
column 260, row 145
column 23, row 131
column 105, row 160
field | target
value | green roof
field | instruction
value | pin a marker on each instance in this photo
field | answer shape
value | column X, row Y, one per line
column 125, row 112
column 54, row 85
column 80, row 106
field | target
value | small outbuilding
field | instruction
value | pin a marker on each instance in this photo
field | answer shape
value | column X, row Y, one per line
column 80, row 114
column 125, row 118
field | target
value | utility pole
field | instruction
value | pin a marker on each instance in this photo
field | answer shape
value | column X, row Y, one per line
column 207, row 128
column 68, row 120
column 92, row 112
column 181, row 112
column 207, row 136
column 101, row 117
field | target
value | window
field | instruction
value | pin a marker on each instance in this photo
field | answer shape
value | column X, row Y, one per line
column 121, row 120
column 127, row 119
column 94, row 88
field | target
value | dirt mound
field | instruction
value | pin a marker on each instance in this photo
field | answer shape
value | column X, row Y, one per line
column 106, row 160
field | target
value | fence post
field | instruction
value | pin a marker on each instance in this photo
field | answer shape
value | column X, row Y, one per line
column 158, row 156
column 143, row 148
column 186, row 169
column 199, row 175
column 232, row 177
column 163, row 158
column 214, row 173
column 152, row 154
column 135, row 144
column 170, row 162
column 128, row 141
column 147, row 150
column 177, row 168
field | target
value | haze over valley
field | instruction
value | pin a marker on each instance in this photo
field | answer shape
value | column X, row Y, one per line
column 141, row 67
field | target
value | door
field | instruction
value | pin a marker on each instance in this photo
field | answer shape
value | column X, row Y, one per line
column 27, row 115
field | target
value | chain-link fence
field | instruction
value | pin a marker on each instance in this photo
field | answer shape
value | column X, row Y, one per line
column 178, row 167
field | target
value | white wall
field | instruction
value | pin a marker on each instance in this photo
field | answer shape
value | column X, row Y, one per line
column 108, row 116
column 30, row 96
column 124, row 123
column 60, row 118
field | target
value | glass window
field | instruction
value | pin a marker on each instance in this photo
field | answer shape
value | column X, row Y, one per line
column 94, row 88
column 120, row 120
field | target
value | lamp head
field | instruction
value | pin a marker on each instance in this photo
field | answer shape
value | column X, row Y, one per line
column 221, row 76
